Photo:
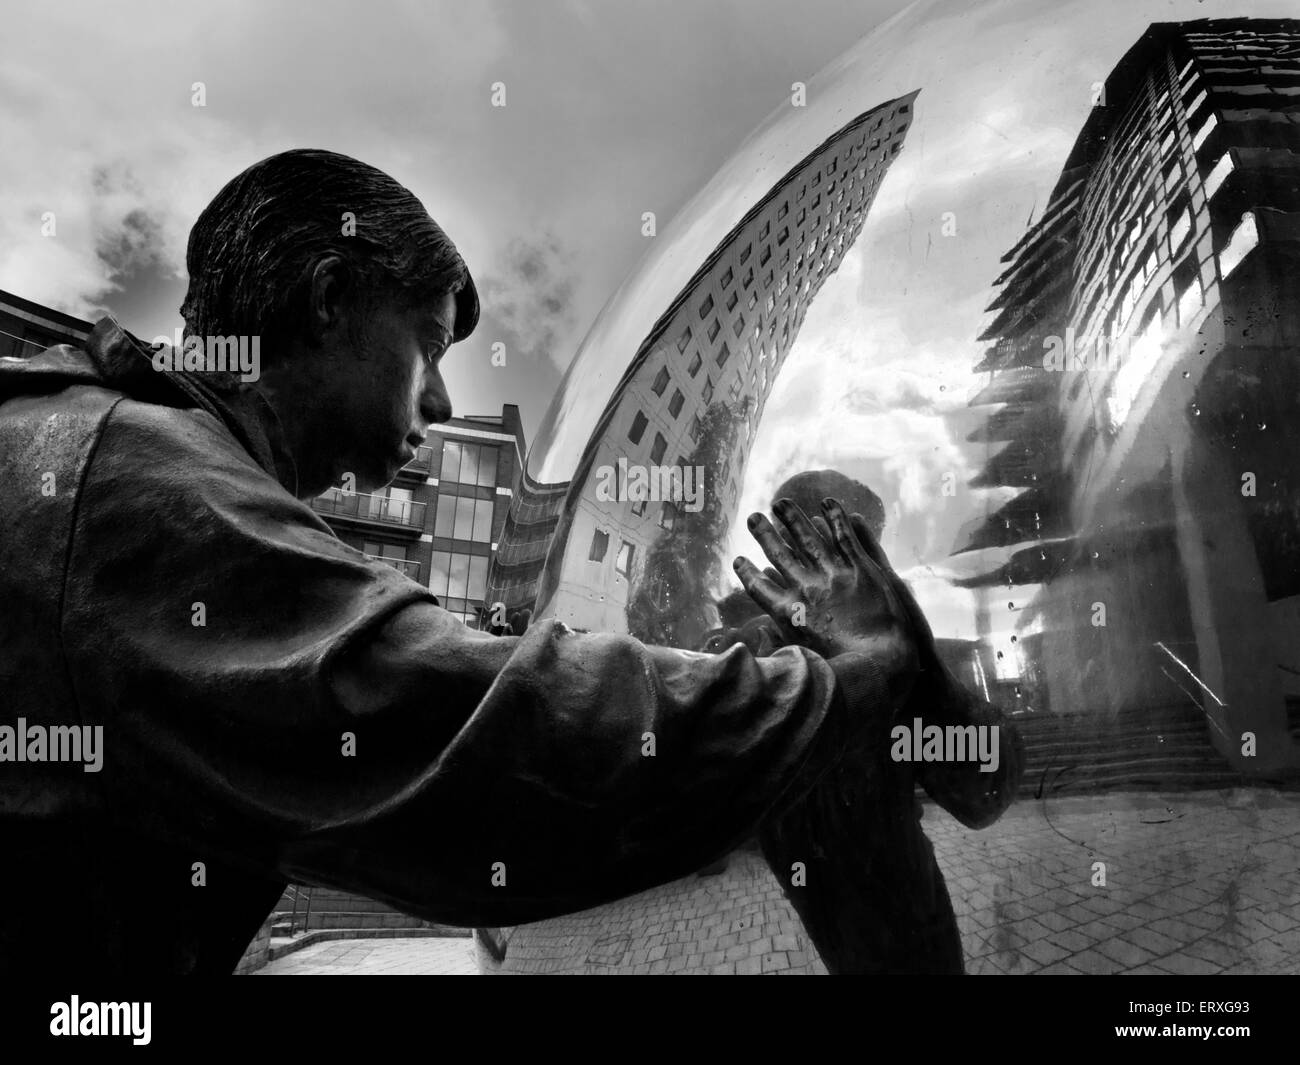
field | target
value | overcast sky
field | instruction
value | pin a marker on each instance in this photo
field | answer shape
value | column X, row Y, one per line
column 613, row 109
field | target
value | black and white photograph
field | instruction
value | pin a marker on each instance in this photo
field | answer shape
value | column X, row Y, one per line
column 651, row 487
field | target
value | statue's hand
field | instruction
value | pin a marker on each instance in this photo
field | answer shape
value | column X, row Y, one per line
column 827, row 592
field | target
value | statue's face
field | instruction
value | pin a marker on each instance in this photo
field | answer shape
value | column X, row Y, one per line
column 759, row 634
column 388, row 388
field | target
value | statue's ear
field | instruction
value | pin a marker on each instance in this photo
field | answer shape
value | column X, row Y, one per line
column 329, row 294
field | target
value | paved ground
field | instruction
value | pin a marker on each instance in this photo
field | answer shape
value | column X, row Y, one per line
column 1205, row 882
column 379, row 957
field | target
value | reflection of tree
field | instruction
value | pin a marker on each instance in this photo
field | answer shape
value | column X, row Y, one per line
column 667, row 606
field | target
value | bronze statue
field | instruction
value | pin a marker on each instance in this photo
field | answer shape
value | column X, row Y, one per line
column 277, row 706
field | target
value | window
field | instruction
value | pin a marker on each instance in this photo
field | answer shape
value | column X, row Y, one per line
column 767, row 254
column 708, row 391
column 626, row 553
column 599, row 545
column 697, row 427
column 738, row 327
column 753, row 301
column 1204, row 132
column 675, row 404
column 667, row 516
column 1243, row 239
column 469, row 463
column 638, row 427
column 783, row 210
column 762, row 233
column 732, row 300
column 748, row 279
column 705, row 307
column 463, row 518
column 783, row 236
column 660, row 446
column 714, row 330
column 661, row 382
column 482, row 521
column 727, row 278
column 638, row 508
column 1218, row 175
column 458, row 576
column 744, row 255
column 724, row 353
column 767, row 282
column 696, row 363
column 684, row 339
column 1179, row 230
column 450, row 461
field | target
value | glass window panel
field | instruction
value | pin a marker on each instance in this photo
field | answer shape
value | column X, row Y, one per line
column 625, row 554
column 445, row 520
column 488, row 458
column 439, row 568
column 464, row 518
column 458, row 578
column 482, row 521
column 450, row 461
column 478, row 568
column 469, row 463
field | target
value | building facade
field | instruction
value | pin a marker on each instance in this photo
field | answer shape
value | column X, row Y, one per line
column 1147, row 401
column 440, row 520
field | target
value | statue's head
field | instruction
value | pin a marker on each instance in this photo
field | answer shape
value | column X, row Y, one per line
column 741, row 619
column 354, row 293
column 809, row 488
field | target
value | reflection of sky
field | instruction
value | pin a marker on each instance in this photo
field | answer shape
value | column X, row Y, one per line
column 879, row 380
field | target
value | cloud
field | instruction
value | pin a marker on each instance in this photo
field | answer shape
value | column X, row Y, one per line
column 529, row 298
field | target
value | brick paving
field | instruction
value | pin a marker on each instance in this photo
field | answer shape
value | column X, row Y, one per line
column 1201, row 882
column 379, row 957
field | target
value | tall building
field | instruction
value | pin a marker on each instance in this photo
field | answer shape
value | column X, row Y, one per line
column 602, row 538
column 440, row 520
column 694, row 386
column 1148, row 400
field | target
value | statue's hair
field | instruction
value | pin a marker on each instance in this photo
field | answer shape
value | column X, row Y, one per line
column 252, row 250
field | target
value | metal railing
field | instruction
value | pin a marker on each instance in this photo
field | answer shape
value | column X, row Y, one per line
column 365, row 506
column 405, row 566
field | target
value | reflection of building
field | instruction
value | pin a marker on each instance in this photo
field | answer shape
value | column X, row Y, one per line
column 1144, row 372
column 27, row 328
column 438, row 522
column 721, row 341
column 686, row 389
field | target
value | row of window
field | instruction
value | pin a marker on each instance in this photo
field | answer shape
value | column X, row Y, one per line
column 458, row 575
column 469, row 463
column 463, row 518
column 600, row 547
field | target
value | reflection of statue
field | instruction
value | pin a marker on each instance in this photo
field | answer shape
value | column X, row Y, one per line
column 875, row 899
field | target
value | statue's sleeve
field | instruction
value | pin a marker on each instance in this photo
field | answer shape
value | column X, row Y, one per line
column 271, row 697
